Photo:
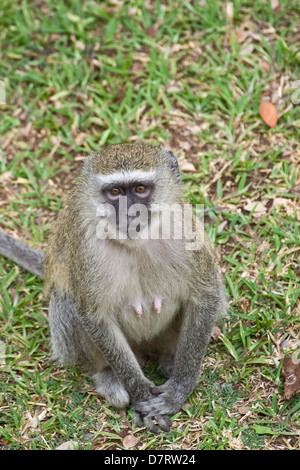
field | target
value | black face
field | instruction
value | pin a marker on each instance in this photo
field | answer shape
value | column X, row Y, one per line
column 136, row 193
column 124, row 197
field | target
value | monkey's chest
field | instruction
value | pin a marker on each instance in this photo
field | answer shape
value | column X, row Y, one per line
column 144, row 318
column 147, row 308
column 143, row 291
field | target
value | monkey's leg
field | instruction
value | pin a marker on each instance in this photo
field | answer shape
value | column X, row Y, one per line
column 198, row 321
column 110, row 387
column 164, row 347
column 110, row 340
column 66, row 336
column 71, row 345
column 166, row 366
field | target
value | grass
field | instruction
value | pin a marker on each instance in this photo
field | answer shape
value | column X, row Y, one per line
column 79, row 75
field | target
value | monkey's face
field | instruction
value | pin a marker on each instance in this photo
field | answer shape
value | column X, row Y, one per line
column 130, row 182
column 126, row 206
column 131, row 203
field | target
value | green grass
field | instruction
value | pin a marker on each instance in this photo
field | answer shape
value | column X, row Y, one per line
column 79, row 75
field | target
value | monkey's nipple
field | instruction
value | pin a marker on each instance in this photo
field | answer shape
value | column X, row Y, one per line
column 157, row 304
column 137, row 307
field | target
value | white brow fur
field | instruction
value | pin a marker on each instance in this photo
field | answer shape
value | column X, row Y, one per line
column 126, row 177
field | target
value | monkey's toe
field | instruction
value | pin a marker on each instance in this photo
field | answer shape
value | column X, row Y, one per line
column 166, row 369
column 163, row 422
column 110, row 387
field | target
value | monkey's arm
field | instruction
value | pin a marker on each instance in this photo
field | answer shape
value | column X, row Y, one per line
column 22, row 254
column 110, row 340
column 114, row 346
column 194, row 337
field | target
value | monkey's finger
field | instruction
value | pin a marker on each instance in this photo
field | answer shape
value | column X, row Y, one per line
column 137, row 419
column 157, row 390
column 164, row 422
column 150, row 425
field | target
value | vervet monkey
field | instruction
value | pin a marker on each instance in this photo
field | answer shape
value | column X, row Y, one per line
column 115, row 298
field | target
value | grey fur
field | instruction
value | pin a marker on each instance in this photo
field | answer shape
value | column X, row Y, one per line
column 103, row 279
column 93, row 285
column 22, row 254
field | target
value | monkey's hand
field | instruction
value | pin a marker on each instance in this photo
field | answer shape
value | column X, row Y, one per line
column 142, row 396
column 140, row 390
column 165, row 400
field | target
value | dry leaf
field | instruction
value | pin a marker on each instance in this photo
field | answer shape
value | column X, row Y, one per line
column 243, row 410
column 233, row 442
column 289, row 206
column 185, row 145
column 216, row 333
column 31, row 421
column 229, row 11
column 291, row 373
column 241, row 35
column 152, row 32
column 274, row 4
column 68, row 445
column 2, row 353
column 264, row 65
column 130, row 441
column 268, row 113
column 247, row 49
column 257, row 207
column 6, row 177
column 80, row 138
column 186, row 166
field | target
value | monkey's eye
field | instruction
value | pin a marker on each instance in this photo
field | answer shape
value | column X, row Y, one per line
column 115, row 191
column 140, row 188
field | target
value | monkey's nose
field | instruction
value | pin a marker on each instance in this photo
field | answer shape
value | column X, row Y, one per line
column 130, row 218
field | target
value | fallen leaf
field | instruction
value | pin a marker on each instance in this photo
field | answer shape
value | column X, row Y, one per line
column 289, row 206
column 216, row 333
column 187, row 166
column 2, row 353
column 130, row 441
column 241, row 35
column 219, row 174
column 274, row 4
column 257, row 207
column 80, row 138
column 30, row 420
column 229, row 11
column 291, row 373
column 268, row 113
column 247, row 49
column 6, row 177
column 185, row 145
column 68, row 445
column 264, row 66
column 233, row 442
column 243, row 410
column 152, row 32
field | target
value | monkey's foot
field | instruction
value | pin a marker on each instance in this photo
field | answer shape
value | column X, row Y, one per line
column 164, row 422
column 166, row 368
column 110, row 387
column 166, row 400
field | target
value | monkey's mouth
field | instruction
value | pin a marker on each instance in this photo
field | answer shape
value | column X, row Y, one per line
column 133, row 225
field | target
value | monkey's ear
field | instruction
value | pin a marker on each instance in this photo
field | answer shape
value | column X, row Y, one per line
column 174, row 164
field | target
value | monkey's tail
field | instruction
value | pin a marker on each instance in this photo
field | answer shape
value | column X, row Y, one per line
column 22, row 254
